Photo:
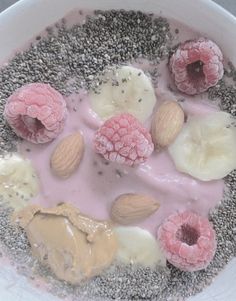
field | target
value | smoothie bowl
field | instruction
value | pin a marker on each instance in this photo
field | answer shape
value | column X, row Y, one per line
column 117, row 151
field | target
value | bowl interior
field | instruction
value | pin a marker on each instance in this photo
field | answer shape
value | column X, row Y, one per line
column 27, row 18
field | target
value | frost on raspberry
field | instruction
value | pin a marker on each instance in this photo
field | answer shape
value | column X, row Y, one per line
column 196, row 66
column 124, row 140
column 36, row 112
column 188, row 241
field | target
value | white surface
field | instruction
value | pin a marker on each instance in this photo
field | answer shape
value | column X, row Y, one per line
column 28, row 17
column 230, row 5
column 15, row 288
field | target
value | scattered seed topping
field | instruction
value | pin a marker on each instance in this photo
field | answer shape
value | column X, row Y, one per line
column 226, row 95
column 81, row 53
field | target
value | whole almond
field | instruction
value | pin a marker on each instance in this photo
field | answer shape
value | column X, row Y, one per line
column 167, row 123
column 67, row 155
column 131, row 208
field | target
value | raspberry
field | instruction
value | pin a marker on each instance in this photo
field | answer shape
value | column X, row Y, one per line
column 124, row 140
column 188, row 241
column 36, row 112
column 196, row 66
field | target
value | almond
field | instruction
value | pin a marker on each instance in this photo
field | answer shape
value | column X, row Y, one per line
column 167, row 123
column 67, row 155
column 131, row 208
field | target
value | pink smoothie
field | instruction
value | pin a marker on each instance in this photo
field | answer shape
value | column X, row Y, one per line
column 96, row 183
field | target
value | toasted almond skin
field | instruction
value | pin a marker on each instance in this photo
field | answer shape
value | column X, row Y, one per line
column 67, row 155
column 167, row 123
column 131, row 208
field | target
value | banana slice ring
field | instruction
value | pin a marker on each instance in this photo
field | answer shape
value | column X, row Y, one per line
column 18, row 181
column 205, row 148
column 138, row 246
column 124, row 90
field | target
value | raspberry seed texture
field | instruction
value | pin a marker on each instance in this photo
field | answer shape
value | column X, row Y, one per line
column 124, row 140
column 36, row 112
column 196, row 66
column 188, row 241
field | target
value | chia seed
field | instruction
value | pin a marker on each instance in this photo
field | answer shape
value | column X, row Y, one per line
column 118, row 173
column 82, row 52
column 226, row 94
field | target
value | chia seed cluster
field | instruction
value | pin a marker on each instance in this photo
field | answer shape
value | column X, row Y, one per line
column 227, row 96
column 70, row 59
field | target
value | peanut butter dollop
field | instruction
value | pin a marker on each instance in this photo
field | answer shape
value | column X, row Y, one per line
column 73, row 245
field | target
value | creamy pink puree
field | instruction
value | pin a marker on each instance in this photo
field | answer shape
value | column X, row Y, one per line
column 95, row 185
column 93, row 193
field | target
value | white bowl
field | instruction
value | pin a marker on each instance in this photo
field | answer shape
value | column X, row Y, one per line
column 28, row 17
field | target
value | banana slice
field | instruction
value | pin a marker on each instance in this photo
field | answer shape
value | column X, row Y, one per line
column 18, row 181
column 138, row 246
column 205, row 148
column 124, row 90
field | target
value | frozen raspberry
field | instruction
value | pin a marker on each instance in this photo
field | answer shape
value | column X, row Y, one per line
column 188, row 241
column 124, row 140
column 36, row 112
column 196, row 66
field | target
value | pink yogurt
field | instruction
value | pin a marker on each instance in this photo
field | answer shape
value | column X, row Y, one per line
column 96, row 183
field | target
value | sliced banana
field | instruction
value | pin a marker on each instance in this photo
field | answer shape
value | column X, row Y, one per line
column 18, row 181
column 205, row 148
column 124, row 90
column 138, row 246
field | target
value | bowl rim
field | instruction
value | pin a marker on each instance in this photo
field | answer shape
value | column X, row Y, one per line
column 14, row 31
column 29, row 10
